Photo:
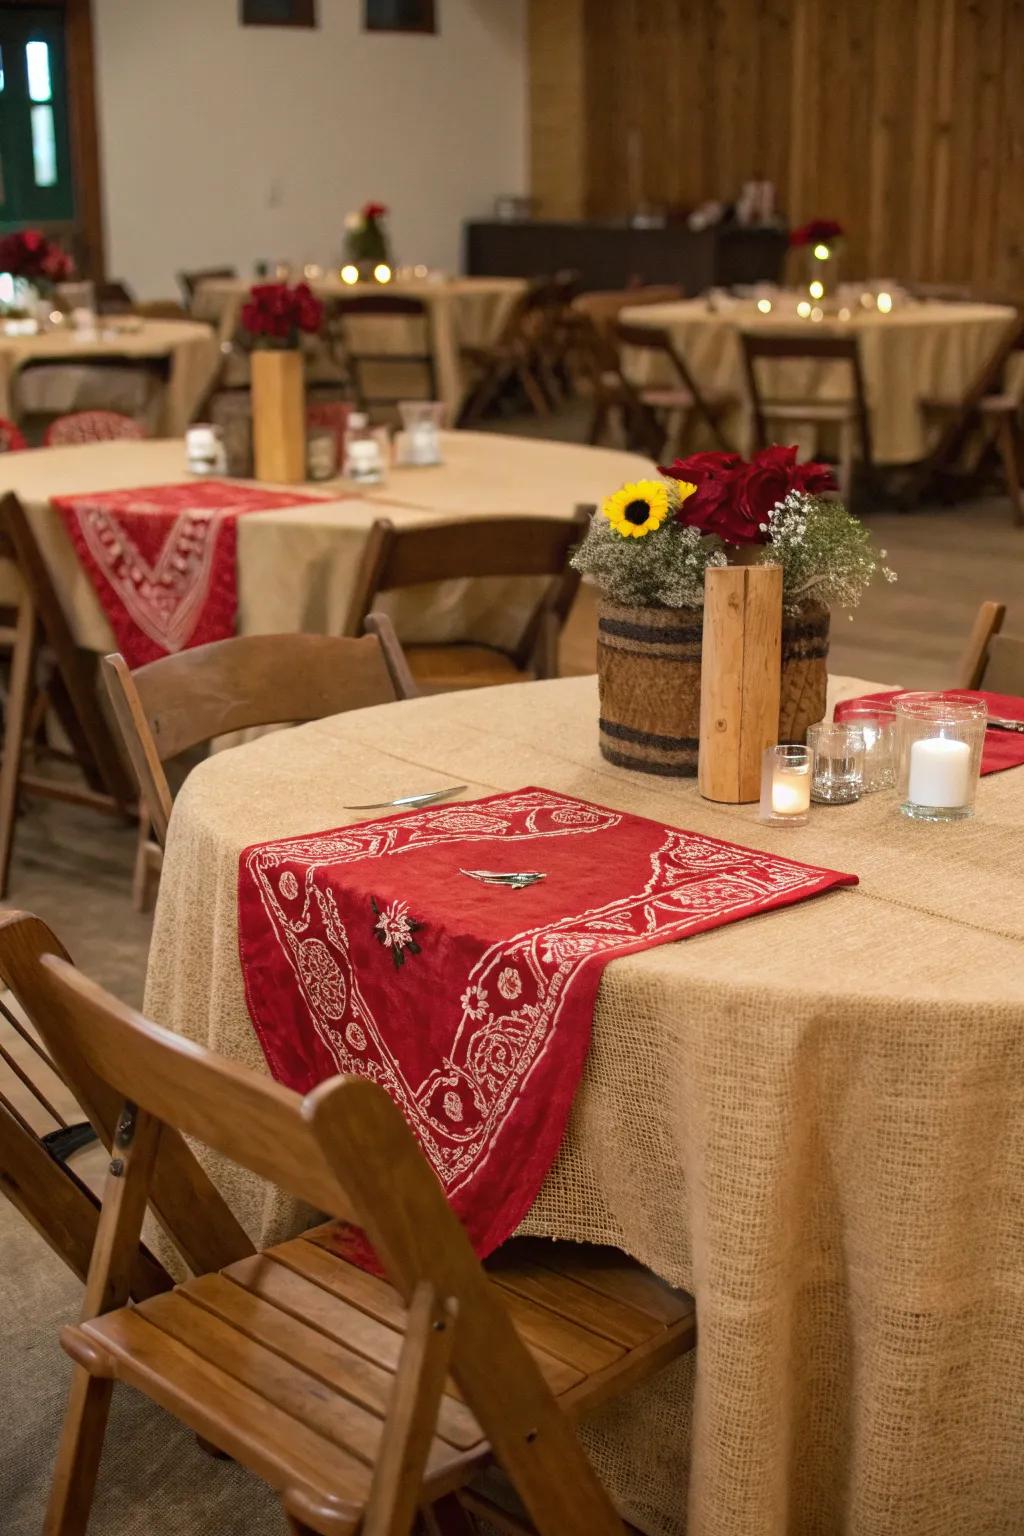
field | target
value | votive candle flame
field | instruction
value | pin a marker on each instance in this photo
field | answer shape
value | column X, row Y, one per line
column 791, row 792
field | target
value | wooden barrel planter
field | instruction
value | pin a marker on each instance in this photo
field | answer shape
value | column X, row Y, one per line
column 648, row 672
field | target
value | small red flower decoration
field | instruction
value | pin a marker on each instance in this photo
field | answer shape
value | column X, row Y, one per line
column 29, row 254
column 374, row 211
column 817, row 232
column 733, row 497
column 275, row 313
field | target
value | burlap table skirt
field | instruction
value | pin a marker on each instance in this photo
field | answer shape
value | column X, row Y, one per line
column 812, row 1119
column 925, row 351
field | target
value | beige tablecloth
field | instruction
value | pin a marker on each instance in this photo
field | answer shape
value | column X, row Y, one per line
column 297, row 567
column 463, row 312
column 813, row 1119
column 927, row 350
column 73, row 382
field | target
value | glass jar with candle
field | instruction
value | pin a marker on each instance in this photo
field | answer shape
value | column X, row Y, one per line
column 941, row 739
column 785, row 784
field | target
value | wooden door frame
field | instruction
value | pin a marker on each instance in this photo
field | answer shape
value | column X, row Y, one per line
column 83, row 129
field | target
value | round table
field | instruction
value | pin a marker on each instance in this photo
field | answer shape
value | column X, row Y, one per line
column 812, row 1119
column 462, row 312
column 919, row 351
column 189, row 349
column 297, row 566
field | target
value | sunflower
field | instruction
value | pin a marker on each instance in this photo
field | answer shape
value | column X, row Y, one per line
column 685, row 489
column 637, row 509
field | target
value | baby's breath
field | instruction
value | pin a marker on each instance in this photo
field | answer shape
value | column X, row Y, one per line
column 826, row 555
column 664, row 568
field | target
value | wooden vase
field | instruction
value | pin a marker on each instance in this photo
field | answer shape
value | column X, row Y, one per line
column 740, row 682
column 278, row 416
column 649, row 680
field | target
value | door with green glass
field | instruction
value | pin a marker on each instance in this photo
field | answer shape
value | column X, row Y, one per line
column 35, row 157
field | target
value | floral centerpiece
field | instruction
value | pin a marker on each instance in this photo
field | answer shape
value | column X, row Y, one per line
column 822, row 240
column 36, row 263
column 366, row 238
column 275, row 318
column 275, row 314
column 648, row 549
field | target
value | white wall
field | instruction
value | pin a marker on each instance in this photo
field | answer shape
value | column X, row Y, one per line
column 223, row 144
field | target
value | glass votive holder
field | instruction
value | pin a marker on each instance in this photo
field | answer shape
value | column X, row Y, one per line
column 785, row 784
column 877, row 723
column 321, row 454
column 837, row 777
column 941, row 739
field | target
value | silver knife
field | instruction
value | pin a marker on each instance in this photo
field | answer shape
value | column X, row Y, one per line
column 409, row 800
column 999, row 724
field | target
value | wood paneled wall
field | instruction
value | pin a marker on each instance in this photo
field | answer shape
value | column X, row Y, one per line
column 903, row 119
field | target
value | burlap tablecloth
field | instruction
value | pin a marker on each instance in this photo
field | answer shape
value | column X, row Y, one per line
column 812, row 1119
column 191, row 347
column 926, row 350
column 297, row 566
column 463, row 312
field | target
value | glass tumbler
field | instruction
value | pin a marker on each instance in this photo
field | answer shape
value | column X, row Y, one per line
column 878, row 724
column 837, row 777
column 941, row 739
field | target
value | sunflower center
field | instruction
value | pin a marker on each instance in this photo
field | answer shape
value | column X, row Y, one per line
column 637, row 512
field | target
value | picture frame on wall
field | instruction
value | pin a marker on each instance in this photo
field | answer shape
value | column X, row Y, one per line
column 400, row 16
column 277, row 13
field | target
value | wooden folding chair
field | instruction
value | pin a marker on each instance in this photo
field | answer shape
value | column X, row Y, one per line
column 990, row 411
column 366, row 366
column 42, row 637
column 33, row 1170
column 327, row 1381
column 491, row 546
column 180, row 702
column 677, row 405
column 849, row 414
column 594, row 359
column 514, row 356
column 189, row 282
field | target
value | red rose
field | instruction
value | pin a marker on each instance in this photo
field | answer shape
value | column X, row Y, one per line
column 374, row 211
column 733, row 498
column 817, row 232
column 32, row 240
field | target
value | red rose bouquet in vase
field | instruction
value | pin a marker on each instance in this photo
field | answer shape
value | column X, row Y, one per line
column 36, row 264
column 821, row 240
column 275, row 319
column 367, row 246
column 648, row 549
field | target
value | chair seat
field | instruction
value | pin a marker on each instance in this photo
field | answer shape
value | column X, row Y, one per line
column 810, row 410
column 286, row 1360
column 989, row 405
column 677, row 399
column 442, row 668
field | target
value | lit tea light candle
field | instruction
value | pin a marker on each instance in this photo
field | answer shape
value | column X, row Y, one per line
column 940, row 772
column 765, row 306
column 884, row 302
column 349, row 273
column 803, row 309
column 785, row 784
column 817, row 290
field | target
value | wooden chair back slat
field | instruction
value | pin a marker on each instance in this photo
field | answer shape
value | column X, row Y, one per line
column 508, row 546
column 188, row 1205
column 189, row 281
column 243, row 1115
column 988, row 621
column 1005, row 670
column 172, row 705
column 960, row 422
column 760, row 346
column 657, row 339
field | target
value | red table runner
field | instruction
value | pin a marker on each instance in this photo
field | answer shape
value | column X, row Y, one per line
column 364, row 950
column 1003, row 749
column 161, row 559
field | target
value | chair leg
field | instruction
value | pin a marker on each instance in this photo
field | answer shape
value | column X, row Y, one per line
column 78, row 1455
column 448, row 1518
column 845, row 475
column 532, row 389
column 18, row 707
column 144, row 878
column 1009, row 444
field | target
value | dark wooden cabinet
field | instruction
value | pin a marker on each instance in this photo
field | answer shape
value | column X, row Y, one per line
column 613, row 254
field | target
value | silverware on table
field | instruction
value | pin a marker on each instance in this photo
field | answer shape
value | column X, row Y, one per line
column 999, row 724
column 514, row 879
column 410, row 800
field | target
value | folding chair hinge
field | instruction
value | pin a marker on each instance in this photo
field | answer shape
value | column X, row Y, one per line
column 124, row 1135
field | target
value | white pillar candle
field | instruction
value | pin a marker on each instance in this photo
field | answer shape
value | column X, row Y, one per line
column 940, row 772
column 791, row 792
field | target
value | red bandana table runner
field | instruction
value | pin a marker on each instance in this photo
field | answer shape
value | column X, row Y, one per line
column 365, row 950
column 161, row 559
column 1003, row 749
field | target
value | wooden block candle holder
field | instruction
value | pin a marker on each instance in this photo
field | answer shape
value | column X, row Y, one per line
column 740, row 679
column 278, row 416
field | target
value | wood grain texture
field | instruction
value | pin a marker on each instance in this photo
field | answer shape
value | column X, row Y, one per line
column 279, row 416
column 740, row 679
column 903, row 119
